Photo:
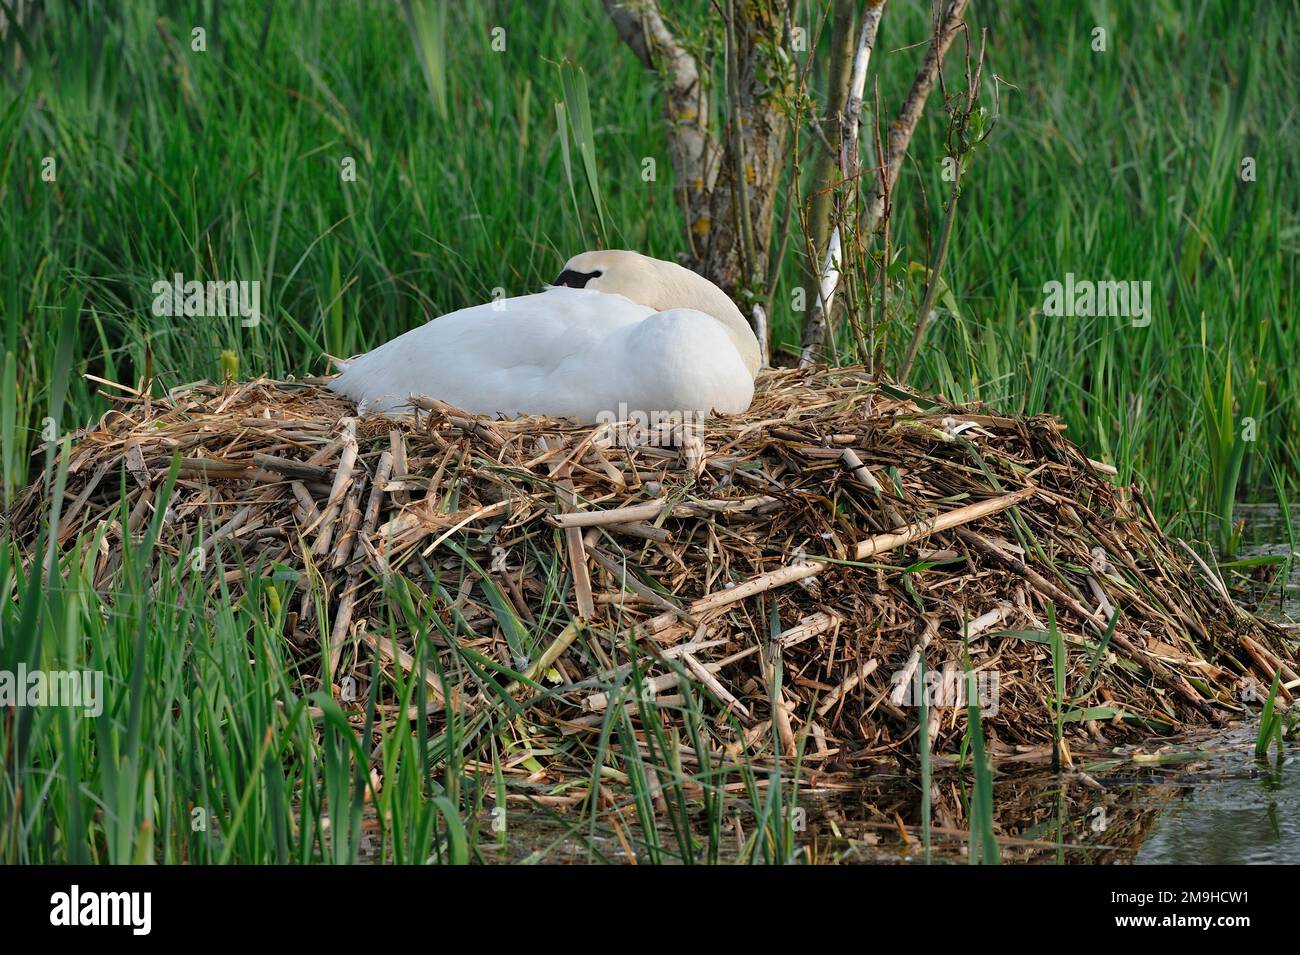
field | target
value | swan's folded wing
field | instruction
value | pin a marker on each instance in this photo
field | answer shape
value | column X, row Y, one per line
column 678, row 363
column 701, row 365
column 500, row 357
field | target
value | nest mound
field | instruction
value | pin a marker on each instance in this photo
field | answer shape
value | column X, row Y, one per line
column 781, row 578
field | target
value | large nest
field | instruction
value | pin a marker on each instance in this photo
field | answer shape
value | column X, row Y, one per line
column 783, row 577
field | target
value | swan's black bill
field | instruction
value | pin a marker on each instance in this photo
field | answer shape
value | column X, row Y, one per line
column 574, row 279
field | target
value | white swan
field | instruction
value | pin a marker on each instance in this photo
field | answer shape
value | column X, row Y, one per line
column 618, row 334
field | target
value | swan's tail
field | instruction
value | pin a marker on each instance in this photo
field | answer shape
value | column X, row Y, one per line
column 341, row 364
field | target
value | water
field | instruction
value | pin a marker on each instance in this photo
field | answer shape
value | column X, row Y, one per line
column 1202, row 798
column 1241, row 813
column 1267, row 536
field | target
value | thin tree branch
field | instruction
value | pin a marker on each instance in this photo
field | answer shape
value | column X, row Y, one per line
column 900, row 133
column 815, row 327
column 960, row 150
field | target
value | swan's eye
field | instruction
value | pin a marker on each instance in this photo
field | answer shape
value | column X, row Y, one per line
column 573, row 279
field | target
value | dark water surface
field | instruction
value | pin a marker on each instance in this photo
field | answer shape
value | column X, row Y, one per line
column 1236, row 816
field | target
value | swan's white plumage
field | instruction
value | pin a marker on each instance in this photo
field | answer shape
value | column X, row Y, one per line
column 570, row 352
column 637, row 336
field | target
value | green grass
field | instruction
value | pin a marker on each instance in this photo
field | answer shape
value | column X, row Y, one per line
column 1059, row 663
column 478, row 170
column 982, row 843
column 227, row 164
column 1270, row 722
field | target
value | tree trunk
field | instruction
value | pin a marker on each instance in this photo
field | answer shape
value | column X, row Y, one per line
column 739, row 228
column 727, row 213
column 687, row 106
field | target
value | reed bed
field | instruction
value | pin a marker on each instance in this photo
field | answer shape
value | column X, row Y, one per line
column 769, row 584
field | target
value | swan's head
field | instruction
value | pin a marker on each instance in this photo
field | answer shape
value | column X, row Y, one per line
column 660, row 285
